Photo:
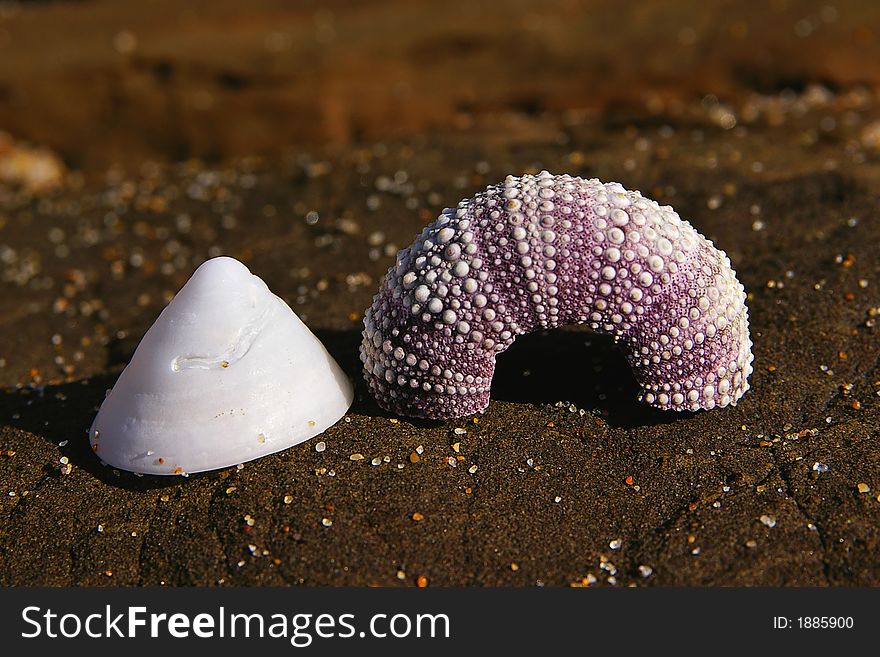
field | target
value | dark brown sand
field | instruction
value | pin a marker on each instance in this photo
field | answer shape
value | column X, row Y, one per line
column 761, row 125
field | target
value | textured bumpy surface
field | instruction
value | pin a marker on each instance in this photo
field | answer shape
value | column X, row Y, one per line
column 542, row 251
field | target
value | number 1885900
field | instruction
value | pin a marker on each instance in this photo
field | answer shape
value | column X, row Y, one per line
column 824, row 622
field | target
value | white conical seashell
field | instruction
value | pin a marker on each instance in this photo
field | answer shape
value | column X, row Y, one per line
column 228, row 373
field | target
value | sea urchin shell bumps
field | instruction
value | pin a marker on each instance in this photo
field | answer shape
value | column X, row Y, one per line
column 227, row 373
column 537, row 252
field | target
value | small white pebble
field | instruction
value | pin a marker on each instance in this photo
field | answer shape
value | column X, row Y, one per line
column 769, row 521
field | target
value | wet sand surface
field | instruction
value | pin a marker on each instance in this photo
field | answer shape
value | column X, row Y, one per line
column 313, row 144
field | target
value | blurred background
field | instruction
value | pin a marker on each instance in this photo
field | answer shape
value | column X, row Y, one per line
column 102, row 82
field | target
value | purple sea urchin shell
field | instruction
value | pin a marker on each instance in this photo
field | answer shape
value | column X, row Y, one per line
column 542, row 251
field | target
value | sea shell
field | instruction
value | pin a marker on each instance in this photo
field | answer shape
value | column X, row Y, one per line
column 226, row 374
column 537, row 252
